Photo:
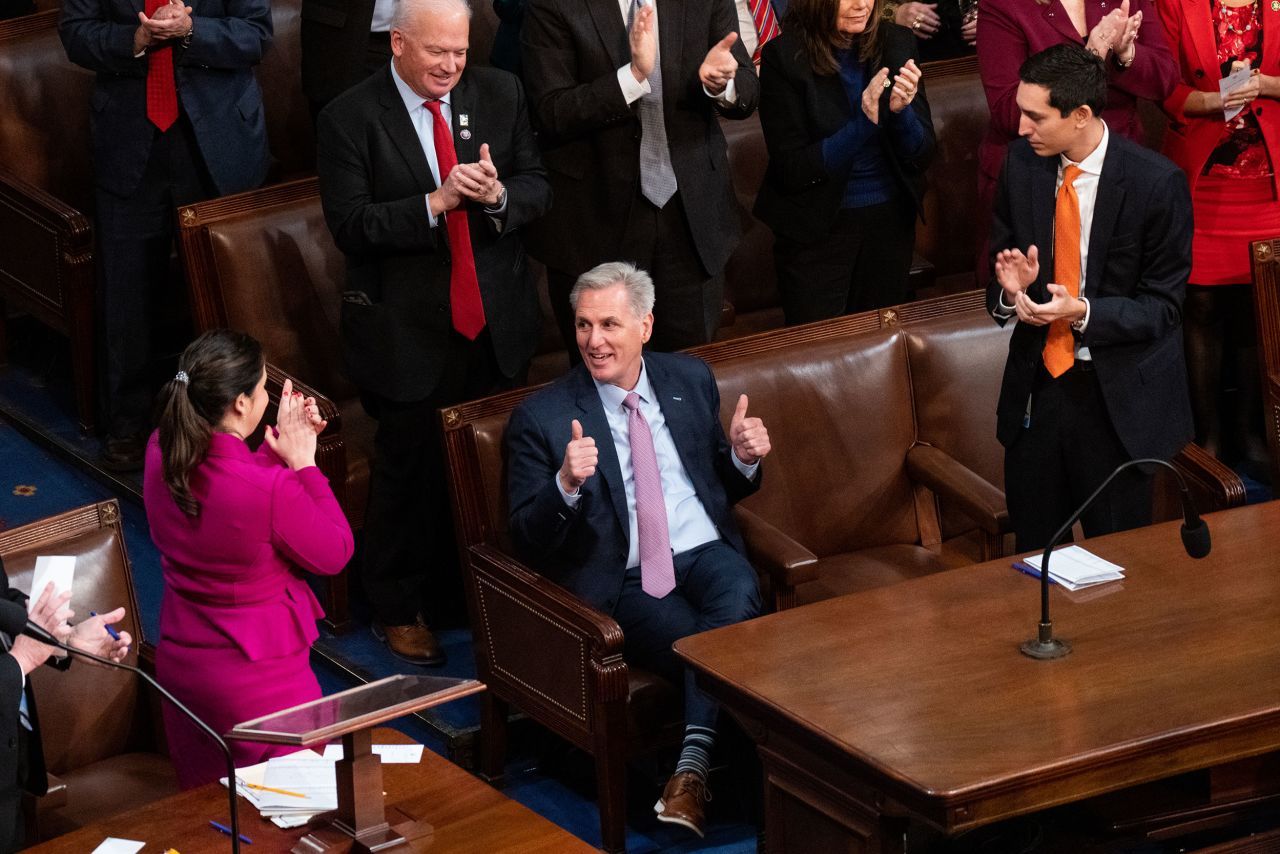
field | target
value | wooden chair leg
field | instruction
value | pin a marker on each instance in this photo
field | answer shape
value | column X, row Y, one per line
column 337, row 610
column 493, row 738
column 611, row 781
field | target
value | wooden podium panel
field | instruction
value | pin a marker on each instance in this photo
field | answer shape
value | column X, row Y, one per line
column 912, row 701
column 467, row 815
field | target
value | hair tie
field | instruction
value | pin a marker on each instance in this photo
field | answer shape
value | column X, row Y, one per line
column 181, row 376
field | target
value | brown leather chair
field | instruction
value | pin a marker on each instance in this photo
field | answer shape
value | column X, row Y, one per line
column 885, row 464
column 264, row 262
column 101, row 729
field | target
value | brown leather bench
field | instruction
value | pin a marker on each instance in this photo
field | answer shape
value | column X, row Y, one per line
column 103, row 742
column 884, row 467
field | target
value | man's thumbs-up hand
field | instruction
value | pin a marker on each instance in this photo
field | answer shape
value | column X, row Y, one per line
column 748, row 436
column 580, row 457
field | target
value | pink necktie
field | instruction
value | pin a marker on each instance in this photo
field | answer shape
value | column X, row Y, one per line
column 464, row 285
column 657, row 573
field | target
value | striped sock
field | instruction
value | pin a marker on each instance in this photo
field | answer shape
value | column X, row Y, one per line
column 695, row 755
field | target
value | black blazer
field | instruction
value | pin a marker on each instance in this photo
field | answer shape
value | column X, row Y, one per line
column 12, row 740
column 799, row 199
column 590, row 137
column 585, row 548
column 1139, row 260
column 374, row 178
column 335, row 41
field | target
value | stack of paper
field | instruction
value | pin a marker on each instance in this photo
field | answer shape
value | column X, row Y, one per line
column 1074, row 568
column 289, row 790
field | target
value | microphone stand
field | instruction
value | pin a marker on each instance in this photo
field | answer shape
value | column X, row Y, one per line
column 1045, row 646
column 231, row 765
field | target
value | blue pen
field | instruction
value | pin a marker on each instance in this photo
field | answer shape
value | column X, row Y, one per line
column 246, row 840
column 114, row 634
column 1028, row 569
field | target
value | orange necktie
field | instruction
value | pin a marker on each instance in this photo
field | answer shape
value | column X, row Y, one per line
column 1059, row 347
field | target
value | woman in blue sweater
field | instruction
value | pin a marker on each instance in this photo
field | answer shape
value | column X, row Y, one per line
column 847, row 126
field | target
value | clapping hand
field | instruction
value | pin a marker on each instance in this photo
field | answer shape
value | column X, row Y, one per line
column 171, row 21
column 1114, row 30
column 1061, row 306
column 1125, row 44
column 644, row 43
column 748, row 436
column 922, row 18
column 580, row 458
column 1015, row 272
column 905, row 85
column 871, row 95
column 478, row 181
column 719, row 66
column 294, row 439
column 91, row 636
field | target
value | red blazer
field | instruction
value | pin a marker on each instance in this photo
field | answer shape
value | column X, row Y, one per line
column 1009, row 31
column 1191, row 139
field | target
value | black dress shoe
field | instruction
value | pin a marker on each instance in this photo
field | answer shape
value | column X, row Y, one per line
column 123, row 453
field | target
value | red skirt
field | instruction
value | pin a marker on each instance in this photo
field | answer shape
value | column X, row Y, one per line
column 1230, row 213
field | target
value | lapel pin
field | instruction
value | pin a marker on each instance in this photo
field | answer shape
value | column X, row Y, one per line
column 464, row 120
column 681, row 399
column 465, row 134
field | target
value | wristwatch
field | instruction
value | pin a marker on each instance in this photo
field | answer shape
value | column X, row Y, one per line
column 186, row 39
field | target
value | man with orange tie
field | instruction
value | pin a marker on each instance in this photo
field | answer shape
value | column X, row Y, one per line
column 428, row 172
column 176, row 117
column 1091, row 243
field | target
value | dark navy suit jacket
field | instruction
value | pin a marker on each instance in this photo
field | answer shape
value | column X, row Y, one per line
column 585, row 548
column 1136, row 278
column 216, row 88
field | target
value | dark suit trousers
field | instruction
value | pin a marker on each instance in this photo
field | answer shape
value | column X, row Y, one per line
column 687, row 301
column 715, row 586
column 135, row 244
column 408, row 532
column 861, row 265
column 1067, row 450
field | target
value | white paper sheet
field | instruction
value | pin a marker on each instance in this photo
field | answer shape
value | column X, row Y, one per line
column 1232, row 81
column 60, row 569
column 392, row 754
column 111, row 845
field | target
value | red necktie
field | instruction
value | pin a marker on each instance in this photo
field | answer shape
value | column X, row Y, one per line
column 766, row 24
column 464, row 286
column 162, row 93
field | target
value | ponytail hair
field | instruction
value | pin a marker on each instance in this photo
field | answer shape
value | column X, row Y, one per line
column 213, row 371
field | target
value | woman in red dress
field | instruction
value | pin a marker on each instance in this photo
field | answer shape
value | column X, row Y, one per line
column 1229, row 147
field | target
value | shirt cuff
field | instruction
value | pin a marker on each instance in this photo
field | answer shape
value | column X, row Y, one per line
column 1083, row 323
column 747, row 471
column 434, row 220
column 632, row 90
column 569, row 500
column 727, row 98
column 1003, row 310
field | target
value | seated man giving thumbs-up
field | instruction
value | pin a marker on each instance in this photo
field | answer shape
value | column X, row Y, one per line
column 621, row 487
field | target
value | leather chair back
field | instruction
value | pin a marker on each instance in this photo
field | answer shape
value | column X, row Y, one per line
column 845, row 399
column 88, row 713
column 957, row 362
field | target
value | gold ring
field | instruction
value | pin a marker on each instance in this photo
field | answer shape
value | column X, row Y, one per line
column 887, row 83
column 916, row 25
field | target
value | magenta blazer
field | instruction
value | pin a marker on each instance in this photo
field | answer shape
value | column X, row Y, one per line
column 1009, row 31
column 233, row 574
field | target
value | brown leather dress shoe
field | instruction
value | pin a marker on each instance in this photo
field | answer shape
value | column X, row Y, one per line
column 684, row 801
column 414, row 643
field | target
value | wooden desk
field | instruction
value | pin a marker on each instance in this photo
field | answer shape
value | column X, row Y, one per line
column 469, row 817
column 913, row 700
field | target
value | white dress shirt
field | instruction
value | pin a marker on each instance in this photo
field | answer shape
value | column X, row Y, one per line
column 382, row 13
column 688, row 522
column 1086, row 186
column 633, row 90
column 747, row 27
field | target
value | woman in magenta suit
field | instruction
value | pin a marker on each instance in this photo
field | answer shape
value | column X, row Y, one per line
column 1231, row 166
column 1009, row 31
column 236, row 530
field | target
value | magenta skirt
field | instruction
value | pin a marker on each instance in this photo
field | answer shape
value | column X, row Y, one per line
column 1230, row 213
column 225, row 688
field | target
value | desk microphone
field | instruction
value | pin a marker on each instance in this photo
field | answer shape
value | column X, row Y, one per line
column 14, row 622
column 1195, row 539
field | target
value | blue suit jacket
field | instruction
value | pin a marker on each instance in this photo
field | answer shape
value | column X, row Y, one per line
column 585, row 548
column 1139, row 260
column 216, row 88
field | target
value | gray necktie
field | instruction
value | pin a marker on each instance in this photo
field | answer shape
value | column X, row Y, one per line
column 657, row 179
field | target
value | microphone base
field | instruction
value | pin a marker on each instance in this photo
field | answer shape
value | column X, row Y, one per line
column 1045, row 649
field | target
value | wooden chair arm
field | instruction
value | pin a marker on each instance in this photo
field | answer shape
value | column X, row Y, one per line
column 1213, row 485
column 787, row 563
column 542, row 648
column 957, row 484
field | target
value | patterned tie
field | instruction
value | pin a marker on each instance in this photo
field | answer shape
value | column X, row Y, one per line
column 1059, row 347
column 657, row 178
column 464, row 285
column 657, row 573
column 766, row 24
column 162, row 92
